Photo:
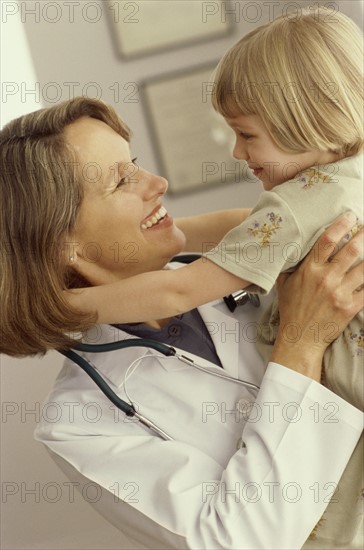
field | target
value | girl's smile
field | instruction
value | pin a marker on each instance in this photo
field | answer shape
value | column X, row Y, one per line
column 269, row 163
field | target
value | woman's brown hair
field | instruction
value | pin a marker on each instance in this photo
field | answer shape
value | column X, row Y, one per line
column 40, row 195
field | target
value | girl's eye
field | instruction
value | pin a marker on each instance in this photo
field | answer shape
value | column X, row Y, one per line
column 245, row 136
column 124, row 180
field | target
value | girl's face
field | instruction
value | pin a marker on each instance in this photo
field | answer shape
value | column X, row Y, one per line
column 121, row 228
column 269, row 163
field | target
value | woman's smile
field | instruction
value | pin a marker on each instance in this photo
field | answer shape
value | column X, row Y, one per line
column 155, row 218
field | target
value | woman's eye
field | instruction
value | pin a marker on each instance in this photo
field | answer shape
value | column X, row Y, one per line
column 245, row 136
column 124, row 180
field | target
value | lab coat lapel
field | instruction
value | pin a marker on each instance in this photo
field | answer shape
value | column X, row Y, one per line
column 223, row 328
column 235, row 336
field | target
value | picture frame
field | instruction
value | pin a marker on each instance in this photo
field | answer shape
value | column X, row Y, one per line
column 192, row 143
column 145, row 27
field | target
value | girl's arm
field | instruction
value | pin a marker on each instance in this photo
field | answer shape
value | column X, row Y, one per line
column 205, row 231
column 157, row 294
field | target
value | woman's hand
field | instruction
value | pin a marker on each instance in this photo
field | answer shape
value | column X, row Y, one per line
column 319, row 299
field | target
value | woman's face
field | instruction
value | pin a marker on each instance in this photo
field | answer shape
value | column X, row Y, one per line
column 122, row 228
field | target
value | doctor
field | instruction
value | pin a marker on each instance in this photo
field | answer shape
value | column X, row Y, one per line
column 245, row 469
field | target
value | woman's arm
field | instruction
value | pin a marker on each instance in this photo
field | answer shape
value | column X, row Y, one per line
column 321, row 291
column 205, row 231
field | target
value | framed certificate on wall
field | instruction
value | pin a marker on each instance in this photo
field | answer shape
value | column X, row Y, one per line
column 192, row 143
column 144, row 27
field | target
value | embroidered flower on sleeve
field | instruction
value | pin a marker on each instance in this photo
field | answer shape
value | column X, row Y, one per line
column 357, row 341
column 311, row 177
column 266, row 231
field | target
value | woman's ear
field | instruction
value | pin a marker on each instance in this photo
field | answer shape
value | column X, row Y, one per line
column 70, row 252
column 88, row 270
column 84, row 266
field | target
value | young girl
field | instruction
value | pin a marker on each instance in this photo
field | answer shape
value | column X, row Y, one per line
column 292, row 92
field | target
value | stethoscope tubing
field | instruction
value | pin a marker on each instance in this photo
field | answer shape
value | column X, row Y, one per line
column 127, row 408
column 122, row 405
column 128, row 343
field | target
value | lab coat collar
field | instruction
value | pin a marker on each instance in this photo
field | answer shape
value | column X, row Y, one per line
column 113, row 365
column 235, row 335
column 223, row 327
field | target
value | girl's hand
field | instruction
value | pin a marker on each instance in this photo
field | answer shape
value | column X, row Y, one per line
column 320, row 298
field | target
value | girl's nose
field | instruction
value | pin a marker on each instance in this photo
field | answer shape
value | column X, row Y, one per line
column 239, row 151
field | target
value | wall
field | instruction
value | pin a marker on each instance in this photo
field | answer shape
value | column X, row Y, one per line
column 36, row 502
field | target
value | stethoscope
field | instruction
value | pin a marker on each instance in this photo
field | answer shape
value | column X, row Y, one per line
column 168, row 351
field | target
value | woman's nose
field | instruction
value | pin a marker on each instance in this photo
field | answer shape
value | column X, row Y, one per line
column 150, row 185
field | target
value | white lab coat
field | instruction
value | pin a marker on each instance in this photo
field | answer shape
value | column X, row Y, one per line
column 229, row 479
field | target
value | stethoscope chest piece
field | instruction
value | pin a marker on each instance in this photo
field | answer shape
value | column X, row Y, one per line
column 240, row 298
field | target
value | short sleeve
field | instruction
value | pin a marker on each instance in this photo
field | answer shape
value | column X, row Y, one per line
column 268, row 242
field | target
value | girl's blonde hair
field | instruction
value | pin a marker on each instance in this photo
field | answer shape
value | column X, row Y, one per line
column 303, row 76
column 41, row 192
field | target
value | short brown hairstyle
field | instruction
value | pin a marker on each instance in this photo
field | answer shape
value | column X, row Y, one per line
column 41, row 193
